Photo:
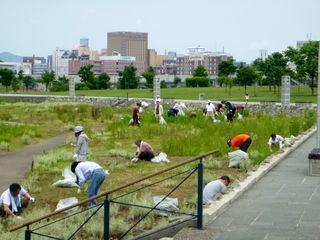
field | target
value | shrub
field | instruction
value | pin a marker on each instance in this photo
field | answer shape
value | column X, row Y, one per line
column 245, row 165
column 5, row 146
column 197, row 82
column 25, row 139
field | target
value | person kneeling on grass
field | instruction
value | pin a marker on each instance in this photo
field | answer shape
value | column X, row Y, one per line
column 144, row 151
column 276, row 140
column 13, row 200
column 89, row 171
column 242, row 141
column 213, row 190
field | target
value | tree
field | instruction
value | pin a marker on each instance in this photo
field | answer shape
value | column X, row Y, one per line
column 306, row 62
column 28, row 82
column 200, row 71
column 128, row 78
column 149, row 75
column 226, row 68
column 6, row 77
column 246, row 76
column 103, row 81
column 47, row 78
column 87, row 76
column 227, row 81
column 176, row 81
column 61, row 84
column 163, row 84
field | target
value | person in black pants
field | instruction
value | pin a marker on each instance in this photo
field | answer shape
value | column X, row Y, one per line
column 231, row 110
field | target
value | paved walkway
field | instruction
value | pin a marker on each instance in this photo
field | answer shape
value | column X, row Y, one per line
column 285, row 204
column 13, row 166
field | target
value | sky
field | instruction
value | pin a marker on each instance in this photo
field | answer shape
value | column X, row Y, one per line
column 240, row 27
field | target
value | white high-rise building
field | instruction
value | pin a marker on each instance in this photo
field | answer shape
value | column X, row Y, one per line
column 263, row 54
column 60, row 62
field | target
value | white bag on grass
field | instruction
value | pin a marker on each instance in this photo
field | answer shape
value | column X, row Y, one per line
column 162, row 121
column 169, row 204
column 162, row 157
column 236, row 157
column 68, row 181
column 63, row 203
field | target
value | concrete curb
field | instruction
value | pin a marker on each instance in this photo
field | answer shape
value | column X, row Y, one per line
column 215, row 209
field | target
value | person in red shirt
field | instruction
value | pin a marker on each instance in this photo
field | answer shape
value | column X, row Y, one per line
column 135, row 116
column 242, row 141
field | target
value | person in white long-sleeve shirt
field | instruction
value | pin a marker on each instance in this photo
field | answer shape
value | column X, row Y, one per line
column 13, row 200
column 214, row 189
column 86, row 171
column 276, row 140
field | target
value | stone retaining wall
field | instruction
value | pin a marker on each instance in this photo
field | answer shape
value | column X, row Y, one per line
column 268, row 107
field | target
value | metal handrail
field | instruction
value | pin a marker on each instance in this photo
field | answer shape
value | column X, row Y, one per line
column 107, row 193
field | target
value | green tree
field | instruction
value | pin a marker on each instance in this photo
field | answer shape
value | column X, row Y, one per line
column 103, row 81
column 176, row 81
column 28, row 82
column 128, row 78
column 306, row 62
column 163, row 84
column 149, row 75
column 246, row 76
column 227, row 81
column 226, row 68
column 87, row 76
column 6, row 77
column 47, row 78
column 61, row 84
column 200, row 71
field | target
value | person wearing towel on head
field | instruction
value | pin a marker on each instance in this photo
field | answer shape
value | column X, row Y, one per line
column 276, row 140
column 82, row 146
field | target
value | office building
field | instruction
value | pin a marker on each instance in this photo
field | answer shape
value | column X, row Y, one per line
column 84, row 42
column 133, row 44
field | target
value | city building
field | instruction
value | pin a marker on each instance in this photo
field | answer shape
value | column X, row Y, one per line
column 186, row 64
column 152, row 55
column 104, row 52
column 39, row 65
column 133, row 44
column 263, row 54
column 26, row 68
column 94, row 55
column 84, row 42
column 160, row 59
column 60, row 63
column 301, row 43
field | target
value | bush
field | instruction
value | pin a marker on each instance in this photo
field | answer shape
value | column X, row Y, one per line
column 5, row 146
column 197, row 82
column 25, row 139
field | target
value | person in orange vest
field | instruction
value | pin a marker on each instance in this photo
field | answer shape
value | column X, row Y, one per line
column 242, row 141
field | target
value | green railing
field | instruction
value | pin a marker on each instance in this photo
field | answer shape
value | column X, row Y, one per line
column 114, row 200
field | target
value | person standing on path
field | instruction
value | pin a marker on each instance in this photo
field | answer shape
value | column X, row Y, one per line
column 86, row 171
column 82, row 146
column 13, row 200
column 213, row 190
column 242, row 141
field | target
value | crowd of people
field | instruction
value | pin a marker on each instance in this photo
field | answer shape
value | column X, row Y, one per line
column 17, row 197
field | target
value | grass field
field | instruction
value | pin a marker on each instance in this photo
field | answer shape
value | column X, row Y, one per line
column 298, row 94
column 112, row 145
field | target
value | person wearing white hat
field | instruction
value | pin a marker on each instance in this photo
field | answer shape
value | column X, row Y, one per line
column 210, row 110
column 82, row 146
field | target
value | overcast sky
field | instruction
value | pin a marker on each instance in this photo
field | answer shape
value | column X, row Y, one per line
column 242, row 27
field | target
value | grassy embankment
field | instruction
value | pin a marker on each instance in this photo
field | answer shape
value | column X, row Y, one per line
column 112, row 146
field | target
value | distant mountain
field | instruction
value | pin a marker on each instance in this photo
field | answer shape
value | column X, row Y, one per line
column 9, row 57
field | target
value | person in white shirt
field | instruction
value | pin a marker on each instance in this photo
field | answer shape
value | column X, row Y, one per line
column 158, row 110
column 13, row 200
column 82, row 146
column 215, row 188
column 276, row 140
column 210, row 110
column 86, row 171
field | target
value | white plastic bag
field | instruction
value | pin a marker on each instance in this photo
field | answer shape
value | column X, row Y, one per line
column 162, row 121
column 68, row 181
column 240, row 117
column 63, row 203
column 236, row 157
column 162, row 157
column 169, row 204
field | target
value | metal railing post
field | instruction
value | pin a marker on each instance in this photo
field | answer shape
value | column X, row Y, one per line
column 27, row 235
column 106, row 221
column 200, row 197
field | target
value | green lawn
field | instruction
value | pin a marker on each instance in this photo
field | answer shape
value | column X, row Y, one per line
column 298, row 94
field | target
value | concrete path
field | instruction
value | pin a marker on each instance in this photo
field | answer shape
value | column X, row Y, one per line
column 285, row 204
column 13, row 166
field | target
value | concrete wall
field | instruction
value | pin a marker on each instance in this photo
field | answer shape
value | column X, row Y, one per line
column 267, row 107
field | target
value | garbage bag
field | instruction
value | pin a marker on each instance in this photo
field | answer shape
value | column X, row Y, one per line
column 68, row 181
column 162, row 121
column 236, row 157
column 63, row 203
column 169, row 204
column 162, row 157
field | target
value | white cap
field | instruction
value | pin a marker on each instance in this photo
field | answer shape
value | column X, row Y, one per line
column 209, row 101
column 78, row 129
